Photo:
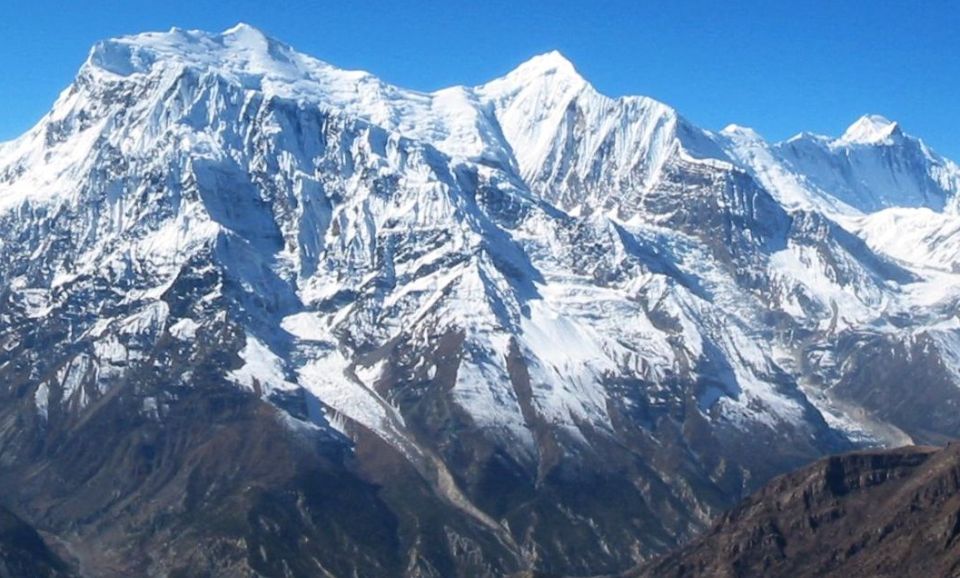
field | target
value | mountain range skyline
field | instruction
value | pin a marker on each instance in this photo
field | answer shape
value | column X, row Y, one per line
column 821, row 64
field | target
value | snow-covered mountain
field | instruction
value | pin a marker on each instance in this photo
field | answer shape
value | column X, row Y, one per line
column 527, row 325
column 874, row 165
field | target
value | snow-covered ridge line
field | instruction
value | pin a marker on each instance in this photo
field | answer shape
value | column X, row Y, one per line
column 449, row 118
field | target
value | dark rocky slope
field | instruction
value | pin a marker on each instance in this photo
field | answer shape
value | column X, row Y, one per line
column 223, row 488
column 23, row 551
column 867, row 514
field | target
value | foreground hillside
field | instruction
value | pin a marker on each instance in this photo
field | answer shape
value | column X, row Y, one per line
column 869, row 514
column 23, row 552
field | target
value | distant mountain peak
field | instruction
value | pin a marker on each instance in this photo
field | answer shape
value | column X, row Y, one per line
column 871, row 129
column 242, row 28
column 239, row 49
column 549, row 64
column 742, row 132
column 550, row 61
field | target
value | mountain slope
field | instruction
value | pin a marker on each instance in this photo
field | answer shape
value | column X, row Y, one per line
column 890, row 513
column 519, row 326
column 874, row 165
column 24, row 553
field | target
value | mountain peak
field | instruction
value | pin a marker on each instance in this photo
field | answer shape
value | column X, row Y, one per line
column 546, row 77
column 551, row 63
column 551, row 59
column 240, row 48
column 242, row 28
column 741, row 132
column 871, row 129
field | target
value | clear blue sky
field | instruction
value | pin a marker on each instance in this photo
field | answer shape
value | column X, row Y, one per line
column 780, row 66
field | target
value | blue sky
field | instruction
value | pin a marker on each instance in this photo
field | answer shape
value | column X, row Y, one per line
column 779, row 66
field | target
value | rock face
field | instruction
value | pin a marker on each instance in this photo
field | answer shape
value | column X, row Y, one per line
column 877, row 514
column 24, row 553
column 263, row 316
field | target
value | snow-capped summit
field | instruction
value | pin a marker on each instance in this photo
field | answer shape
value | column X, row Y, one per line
column 576, row 146
column 741, row 132
column 243, row 29
column 242, row 54
column 241, row 47
column 874, row 165
column 872, row 129
column 548, row 63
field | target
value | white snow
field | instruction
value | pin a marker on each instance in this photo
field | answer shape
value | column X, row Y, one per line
column 184, row 329
column 871, row 129
column 327, row 377
column 42, row 399
column 262, row 370
column 71, row 376
column 915, row 236
column 789, row 187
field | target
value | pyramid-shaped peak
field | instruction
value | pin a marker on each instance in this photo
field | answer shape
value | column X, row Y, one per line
column 550, row 73
column 871, row 129
column 547, row 64
column 243, row 28
column 246, row 33
column 553, row 58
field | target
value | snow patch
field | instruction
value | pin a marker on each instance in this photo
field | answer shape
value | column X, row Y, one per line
column 262, row 371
